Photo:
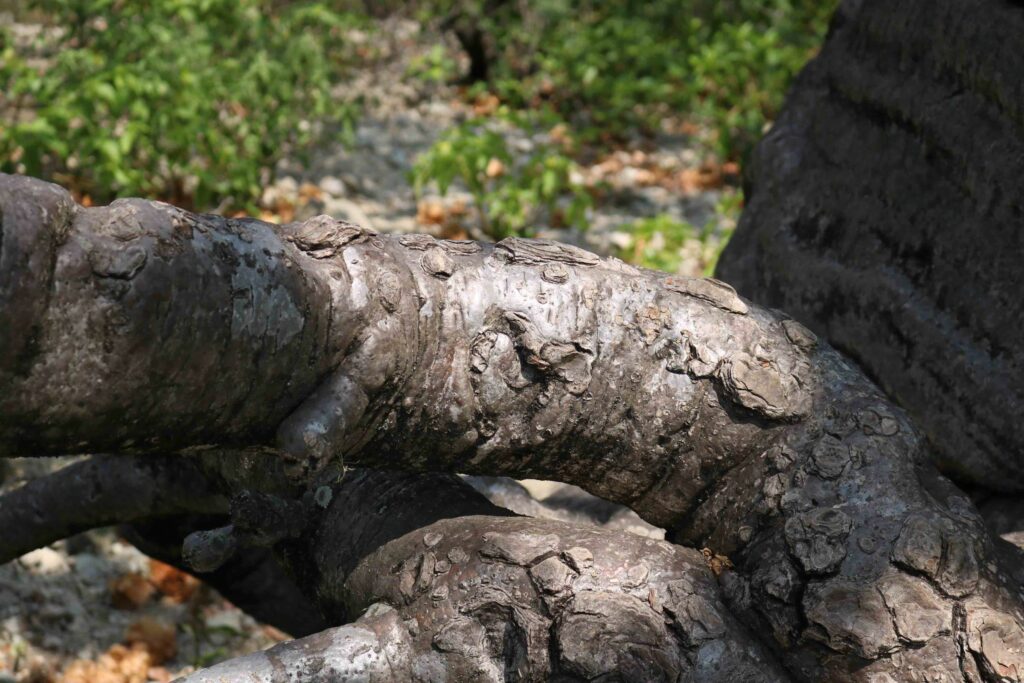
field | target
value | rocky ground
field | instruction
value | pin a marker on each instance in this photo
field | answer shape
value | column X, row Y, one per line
column 94, row 609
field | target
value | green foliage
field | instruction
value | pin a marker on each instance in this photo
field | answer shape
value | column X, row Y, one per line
column 657, row 241
column 512, row 193
column 187, row 100
column 663, row 242
column 436, row 66
column 611, row 66
column 742, row 62
column 603, row 64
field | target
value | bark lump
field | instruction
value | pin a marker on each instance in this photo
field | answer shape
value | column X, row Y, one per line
column 730, row 426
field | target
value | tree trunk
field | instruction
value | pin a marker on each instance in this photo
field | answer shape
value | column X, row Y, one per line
column 319, row 345
column 884, row 210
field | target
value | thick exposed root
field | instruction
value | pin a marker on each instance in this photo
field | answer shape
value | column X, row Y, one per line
column 101, row 491
column 729, row 425
column 486, row 598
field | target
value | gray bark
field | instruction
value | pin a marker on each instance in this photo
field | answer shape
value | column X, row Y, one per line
column 253, row 580
column 730, row 425
column 488, row 597
column 884, row 211
column 101, row 492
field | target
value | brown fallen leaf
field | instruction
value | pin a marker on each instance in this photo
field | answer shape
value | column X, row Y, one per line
column 158, row 638
column 119, row 664
column 645, row 177
column 706, row 177
column 486, row 104
column 275, row 634
column 561, row 135
column 309, row 191
column 430, row 212
column 689, row 128
column 718, row 563
column 130, row 591
column 175, row 584
column 159, row 674
column 494, row 168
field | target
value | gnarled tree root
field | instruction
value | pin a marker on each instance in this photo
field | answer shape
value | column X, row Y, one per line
column 493, row 598
column 253, row 580
column 320, row 343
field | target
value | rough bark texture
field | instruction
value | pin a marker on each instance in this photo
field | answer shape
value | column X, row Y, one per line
column 141, row 321
column 481, row 597
column 729, row 425
column 884, row 210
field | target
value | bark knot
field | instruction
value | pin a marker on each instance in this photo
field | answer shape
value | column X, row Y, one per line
column 934, row 547
column 850, row 616
column 817, row 538
column 762, row 387
column 323, row 236
column 121, row 263
column 715, row 292
column 435, row 261
column 801, row 337
column 537, row 251
column 569, row 362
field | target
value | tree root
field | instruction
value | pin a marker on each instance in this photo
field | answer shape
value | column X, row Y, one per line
column 488, row 598
column 729, row 425
column 253, row 580
column 101, row 491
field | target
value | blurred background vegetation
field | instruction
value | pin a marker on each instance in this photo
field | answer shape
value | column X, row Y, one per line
column 197, row 102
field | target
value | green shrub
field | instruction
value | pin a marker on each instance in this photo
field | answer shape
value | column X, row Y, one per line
column 435, row 66
column 187, row 100
column 663, row 242
column 656, row 242
column 742, row 60
column 609, row 66
column 512, row 193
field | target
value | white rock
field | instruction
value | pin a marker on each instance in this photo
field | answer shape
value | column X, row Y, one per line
column 230, row 620
column 45, row 561
column 346, row 210
column 333, row 186
column 287, row 186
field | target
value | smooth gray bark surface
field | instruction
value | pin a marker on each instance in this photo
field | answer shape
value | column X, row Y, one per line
column 101, row 492
column 728, row 424
column 884, row 210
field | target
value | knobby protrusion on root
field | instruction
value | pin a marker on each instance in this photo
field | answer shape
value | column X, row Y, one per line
column 328, row 346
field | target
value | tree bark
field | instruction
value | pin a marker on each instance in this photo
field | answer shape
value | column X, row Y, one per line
column 884, row 211
column 253, row 580
column 729, row 425
column 483, row 596
column 101, row 492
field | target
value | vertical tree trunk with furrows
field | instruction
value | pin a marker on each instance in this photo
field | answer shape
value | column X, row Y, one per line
column 885, row 211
